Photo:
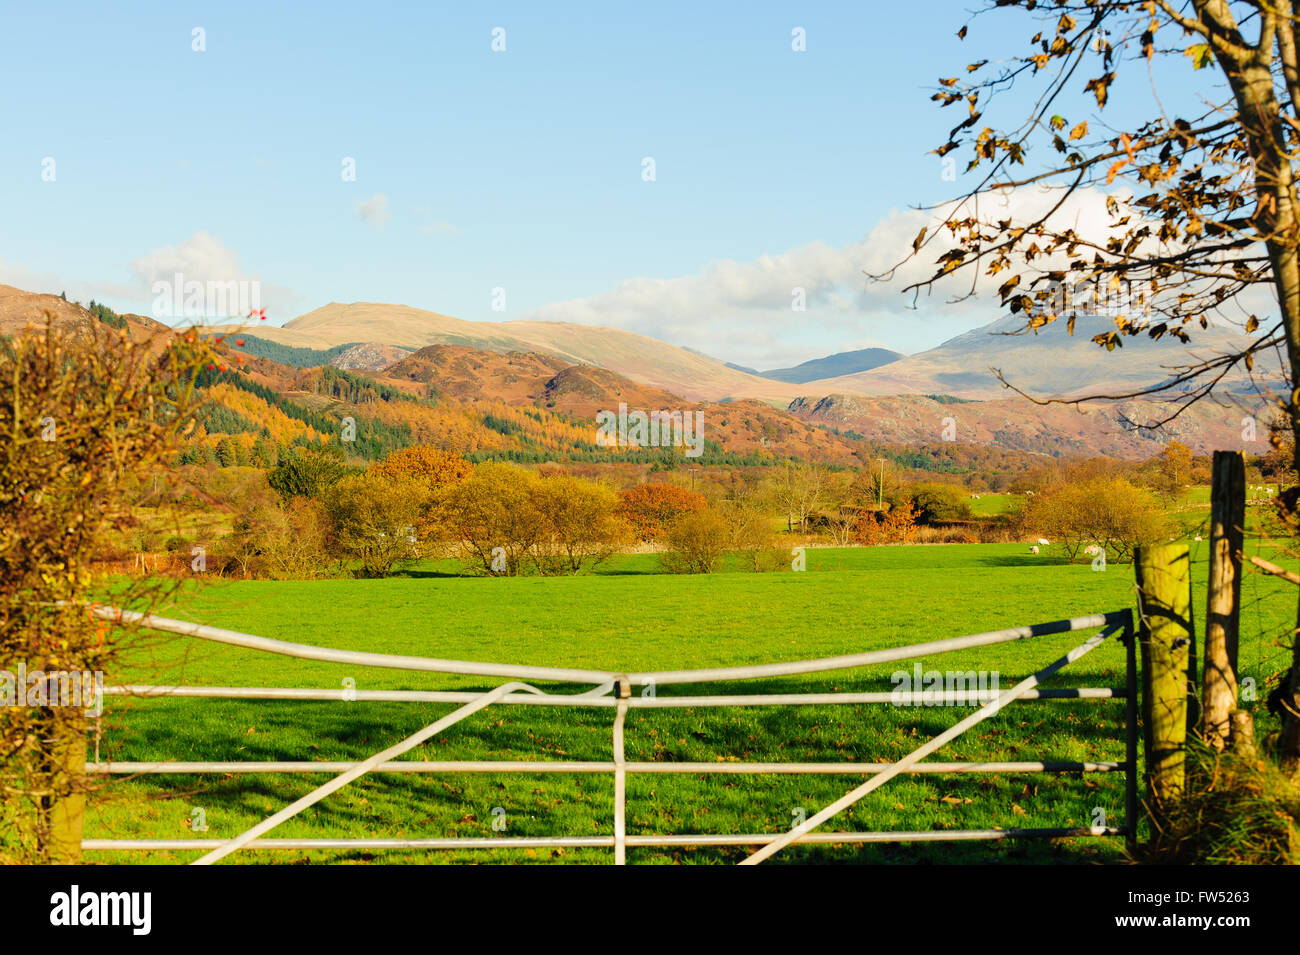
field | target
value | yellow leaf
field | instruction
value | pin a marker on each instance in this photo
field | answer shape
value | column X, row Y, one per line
column 1079, row 131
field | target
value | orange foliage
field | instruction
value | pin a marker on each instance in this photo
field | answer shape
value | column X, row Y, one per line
column 652, row 508
column 896, row 527
column 431, row 465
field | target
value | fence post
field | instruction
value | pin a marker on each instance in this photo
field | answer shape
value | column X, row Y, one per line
column 622, row 692
column 1130, row 737
column 1227, row 519
column 1165, row 634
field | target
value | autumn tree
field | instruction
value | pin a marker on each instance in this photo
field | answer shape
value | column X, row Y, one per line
column 651, row 509
column 1174, row 467
column 1109, row 512
column 429, row 464
column 579, row 526
column 799, row 489
column 492, row 515
column 373, row 519
column 1194, row 187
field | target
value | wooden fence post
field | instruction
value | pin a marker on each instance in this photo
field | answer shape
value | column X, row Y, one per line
column 1165, row 632
column 1223, row 597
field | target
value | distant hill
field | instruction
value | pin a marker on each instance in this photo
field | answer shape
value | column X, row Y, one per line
column 832, row 366
column 645, row 360
column 1015, row 424
column 1049, row 363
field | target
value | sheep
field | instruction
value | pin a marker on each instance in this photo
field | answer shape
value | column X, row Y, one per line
column 1033, row 549
column 1043, row 542
column 1198, row 537
column 1092, row 550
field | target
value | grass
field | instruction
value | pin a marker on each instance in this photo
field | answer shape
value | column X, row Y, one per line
column 629, row 617
column 991, row 505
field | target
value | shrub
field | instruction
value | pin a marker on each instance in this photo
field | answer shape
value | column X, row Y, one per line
column 936, row 503
column 1108, row 511
column 1242, row 811
column 305, row 474
column 696, row 543
column 283, row 541
column 896, row 526
column 177, row 544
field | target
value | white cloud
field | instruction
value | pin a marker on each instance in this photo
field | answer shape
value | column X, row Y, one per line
column 201, row 257
column 374, row 211
column 742, row 311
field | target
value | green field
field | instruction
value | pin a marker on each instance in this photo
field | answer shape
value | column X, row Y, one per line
column 629, row 617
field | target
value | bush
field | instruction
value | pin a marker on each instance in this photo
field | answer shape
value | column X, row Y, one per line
column 1108, row 511
column 897, row 526
column 305, row 474
column 696, row 543
column 178, row 544
column 937, row 503
column 1243, row 810
column 282, row 541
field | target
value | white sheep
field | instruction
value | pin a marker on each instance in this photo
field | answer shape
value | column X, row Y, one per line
column 1033, row 549
column 1092, row 550
column 1198, row 537
column 1043, row 542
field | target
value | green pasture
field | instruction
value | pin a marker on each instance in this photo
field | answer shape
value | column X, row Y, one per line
column 628, row 617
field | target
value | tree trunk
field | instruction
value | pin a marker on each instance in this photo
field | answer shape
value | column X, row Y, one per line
column 1275, row 222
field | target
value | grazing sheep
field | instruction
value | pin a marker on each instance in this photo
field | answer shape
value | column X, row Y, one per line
column 1033, row 549
column 1043, row 542
column 1092, row 550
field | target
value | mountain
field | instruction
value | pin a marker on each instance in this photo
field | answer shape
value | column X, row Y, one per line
column 641, row 359
column 577, row 392
column 832, row 366
column 1098, row 428
column 1048, row 363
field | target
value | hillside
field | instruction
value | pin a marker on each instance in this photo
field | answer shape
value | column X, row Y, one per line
column 1016, row 424
column 641, row 359
column 518, row 405
column 19, row 308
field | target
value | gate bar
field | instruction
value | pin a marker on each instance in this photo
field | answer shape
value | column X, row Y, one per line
column 947, row 736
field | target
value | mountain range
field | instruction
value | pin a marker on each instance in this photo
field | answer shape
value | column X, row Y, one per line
column 574, row 370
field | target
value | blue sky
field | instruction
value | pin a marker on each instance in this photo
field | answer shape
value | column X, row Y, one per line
column 478, row 170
